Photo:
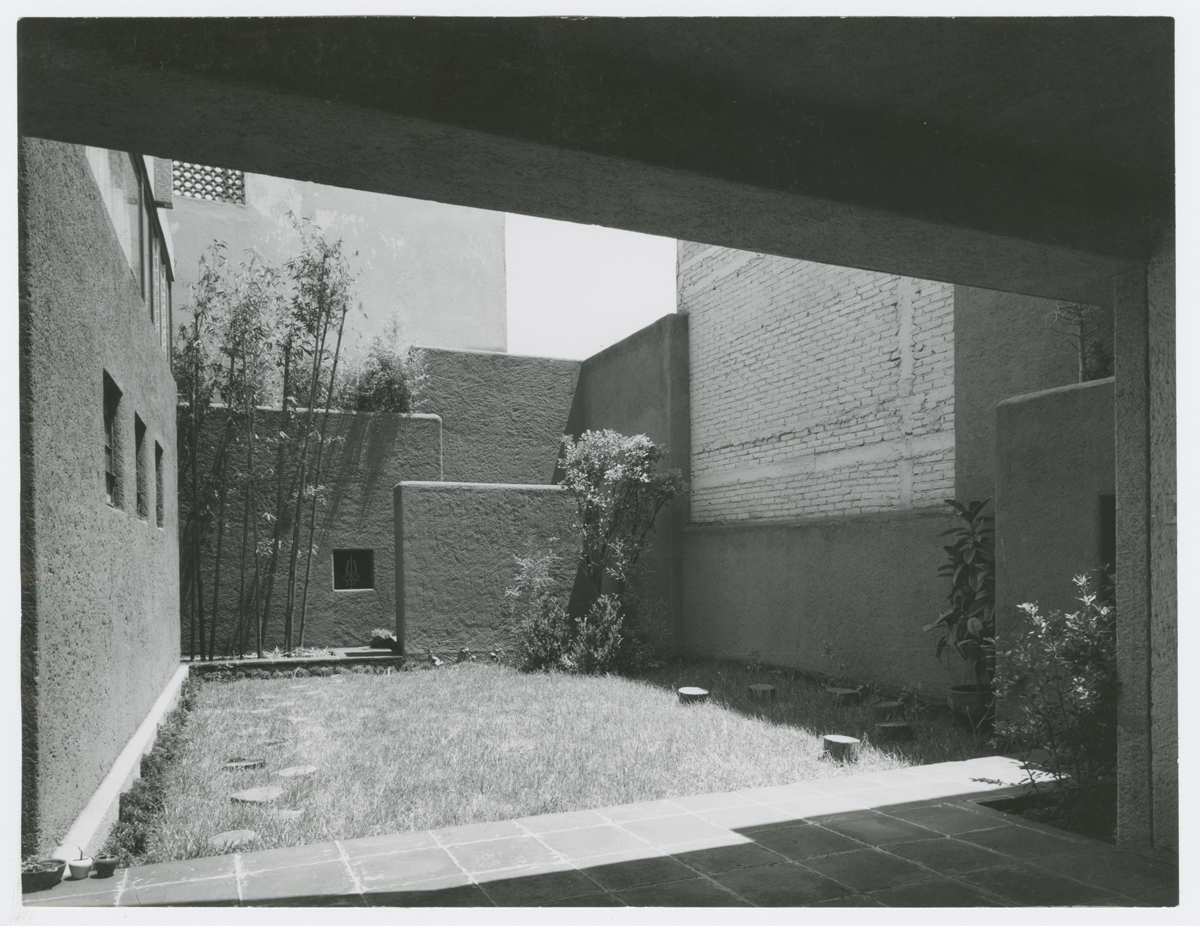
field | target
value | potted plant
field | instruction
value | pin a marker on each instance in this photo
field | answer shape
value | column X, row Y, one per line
column 39, row 874
column 968, row 626
column 105, row 865
column 80, row 867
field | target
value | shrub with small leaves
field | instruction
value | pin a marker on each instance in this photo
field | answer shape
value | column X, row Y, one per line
column 1056, row 684
column 542, row 630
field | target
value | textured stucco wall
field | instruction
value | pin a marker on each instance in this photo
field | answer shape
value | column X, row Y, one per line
column 367, row 455
column 438, row 268
column 1164, row 569
column 817, row 391
column 640, row 386
column 860, row 589
column 456, row 543
column 1054, row 459
column 100, row 586
column 1003, row 347
column 503, row 415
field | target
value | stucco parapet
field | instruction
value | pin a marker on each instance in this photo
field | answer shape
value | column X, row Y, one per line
column 1057, row 390
column 495, row 353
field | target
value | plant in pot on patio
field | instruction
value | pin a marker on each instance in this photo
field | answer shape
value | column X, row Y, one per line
column 968, row 626
column 38, row 874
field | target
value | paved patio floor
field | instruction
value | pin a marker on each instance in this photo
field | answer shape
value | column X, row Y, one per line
column 914, row 837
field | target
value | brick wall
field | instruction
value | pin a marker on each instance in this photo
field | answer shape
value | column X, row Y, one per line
column 816, row 391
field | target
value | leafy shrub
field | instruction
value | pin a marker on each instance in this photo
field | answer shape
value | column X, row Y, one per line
column 382, row 638
column 969, row 625
column 542, row 628
column 1057, row 688
column 596, row 643
column 388, row 379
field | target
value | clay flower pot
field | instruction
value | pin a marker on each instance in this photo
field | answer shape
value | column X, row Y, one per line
column 48, row 873
column 105, row 865
column 80, row 867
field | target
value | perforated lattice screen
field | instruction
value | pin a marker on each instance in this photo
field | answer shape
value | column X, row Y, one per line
column 199, row 181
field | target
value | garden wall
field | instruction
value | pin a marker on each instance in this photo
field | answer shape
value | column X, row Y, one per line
column 367, row 455
column 1055, row 494
column 99, row 581
column 816, row 391
column 640, row 386
column 503, row 415
column 835, row 597
column 455, row 545
column 1003, row 347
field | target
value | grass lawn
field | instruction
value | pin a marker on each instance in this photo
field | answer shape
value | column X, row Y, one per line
column 462, row 744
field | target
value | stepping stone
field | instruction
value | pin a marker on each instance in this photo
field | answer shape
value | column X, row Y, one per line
column 238, row 764
column 256, row 795
column 842, row 748
column 889, row 710
column 763, row 692
column 845, row 695
column 232, row 839
column 297, row 771
column 690, row 695
column 285, row 815
column 894, row 731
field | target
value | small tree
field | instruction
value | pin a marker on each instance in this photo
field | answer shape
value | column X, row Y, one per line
column 388, row 379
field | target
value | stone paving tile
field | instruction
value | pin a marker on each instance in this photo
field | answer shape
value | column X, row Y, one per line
column 1119, row 872
column 941, row 892
column 1029, row 886
column 666, row 831
column 950, row 856
column 818, row 807
column 477, row 832
column 876, row 829
column 498, row 854
column 697, row 803
column 322, row 879
column 728, row 858
column 531, row 887
column 773, row 794
column 295, row 857
column 207, row 892
column 949, row 819
column 175, row 872
column 868, row 869
column 586, row 900
column 882, row 798
column 400, row 869
column 642, row 810
column 1019, row 842
column 444, row 892
column 749, row 816
column 554, row 822
column 96, row 888
column 850, row 900
column 1159, row 897
column 805, row 840
column 837, row 785
column 381, row 845
column 636, row 869
column 592, row 841
column 781, row 885
column 699, row 892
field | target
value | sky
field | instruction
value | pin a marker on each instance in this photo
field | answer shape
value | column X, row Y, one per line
column 575, row 289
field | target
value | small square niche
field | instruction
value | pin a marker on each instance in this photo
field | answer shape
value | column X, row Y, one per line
column 353, row 569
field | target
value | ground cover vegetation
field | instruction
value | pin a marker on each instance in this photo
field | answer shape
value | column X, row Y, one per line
column 600, row 622
column 1056, row 684
column 474, row 742
column 266, row 336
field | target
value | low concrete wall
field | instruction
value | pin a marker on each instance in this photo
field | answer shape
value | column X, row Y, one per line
column 368, row 456
column 503, row 415
column 1054, row 461
column 640, row 386
column 837, row 597
column 455, row 544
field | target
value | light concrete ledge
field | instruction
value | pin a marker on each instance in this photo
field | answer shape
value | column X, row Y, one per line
column 93, row 825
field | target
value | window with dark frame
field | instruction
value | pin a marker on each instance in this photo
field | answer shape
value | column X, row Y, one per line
column 159, row 509
column 112, row 442
column 142, row 480
column 353, row 569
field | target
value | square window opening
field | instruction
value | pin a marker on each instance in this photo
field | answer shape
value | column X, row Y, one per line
column 353, row 569
column 112, row 442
